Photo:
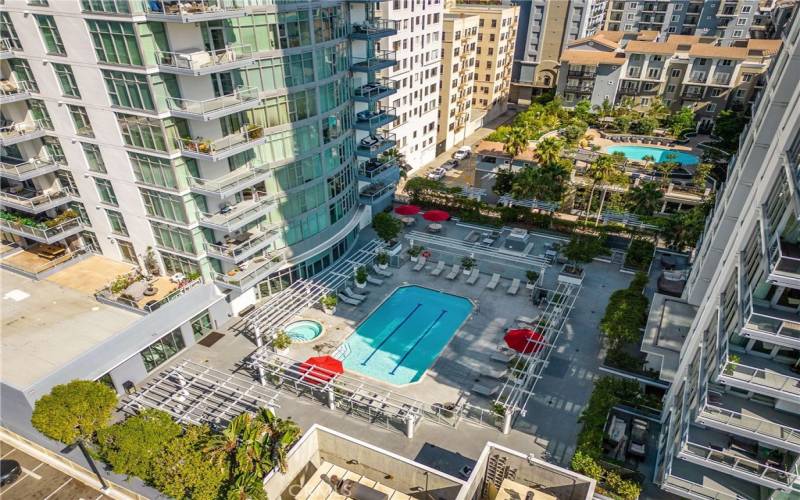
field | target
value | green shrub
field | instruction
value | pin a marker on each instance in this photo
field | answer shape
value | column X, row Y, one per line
column 639, row 254
column 74, row 410
column 386, row 227
column 627, row 490
column 585, row 247
column 182, row 469
column 584, row 464
column 608, row 391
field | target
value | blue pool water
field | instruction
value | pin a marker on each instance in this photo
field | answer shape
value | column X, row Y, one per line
column 660, row 154
column 403, row 337
column 303, row 330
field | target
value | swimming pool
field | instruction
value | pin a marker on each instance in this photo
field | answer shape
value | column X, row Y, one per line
column 660, row 154
column 303, row 330
column 402, row 338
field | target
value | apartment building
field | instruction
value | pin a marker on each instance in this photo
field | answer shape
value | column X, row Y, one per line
column 681, row 70
column 772, row 18
column 732, row 414
column 459, row 54
column 241, row 143
column 545, row 28
column 726, row 19
column 416, row 49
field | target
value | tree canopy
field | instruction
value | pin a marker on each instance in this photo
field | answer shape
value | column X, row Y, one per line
column 74, row 410
column 386, row 227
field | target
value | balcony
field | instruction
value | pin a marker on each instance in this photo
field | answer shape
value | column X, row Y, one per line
column 751, row 420
column 761, row 376
column 741, row 458
column 143, row 294
column 34, row 201
column 374, row 193
column 582, row 74
column 700, row 483
column 246, row 138
column 378, row 169
column 723, row 79
column 14, row 91
column 382, row 59
column 580, row 89
column 193, row 12
column 48, row 231
column 20, row 170
column 231, row 183
column 373, row 91
column 21, row 132
column 216, row 107
column 370, row 120
column 784, row 262
column 245, row 245
column 692, row 96
column 374, row 145
column 374, row 29
column 771, row 325
column 195, row 62
column 250, row 272
column 628, row 90
column 233, row 217
column 6, row 49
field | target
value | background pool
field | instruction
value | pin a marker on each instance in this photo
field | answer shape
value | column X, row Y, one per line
column 660, row 154
column 403, row 337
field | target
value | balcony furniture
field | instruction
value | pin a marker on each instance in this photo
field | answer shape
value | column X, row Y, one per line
column 50, row 252
column 369, row 141
column 7, row 86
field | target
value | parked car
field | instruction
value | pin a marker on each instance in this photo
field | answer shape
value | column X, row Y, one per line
column 450, row 164
column 437, row 174
column 462, row 153
column 638, row 441
column 10, row 470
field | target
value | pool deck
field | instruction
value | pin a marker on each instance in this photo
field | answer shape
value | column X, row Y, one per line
column 690, row 147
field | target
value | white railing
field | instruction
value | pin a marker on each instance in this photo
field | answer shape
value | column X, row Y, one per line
column 240, row 212
column 745, row 466
column 10, row 89
column 20, row 129
column 195, row 7
column 31, row 165
column 247, row 134
column 752, row 424
column 230, row 181
column 214, row 104
column 256, row 269
column 761, row 377
column 46, row 234
column 199, row 60
column 264, row 233
column 35, row 201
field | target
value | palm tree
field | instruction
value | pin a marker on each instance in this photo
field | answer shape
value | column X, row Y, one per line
column 279, row 434
column 603, row 171
column 658, row 110
column 665, row 168
column 644, row 199
column 549, row 150
column 647, row 159
column 515, row 142
column 247, row 486
column 221, row 447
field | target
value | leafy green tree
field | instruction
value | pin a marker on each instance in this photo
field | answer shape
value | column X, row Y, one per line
column 584, row 248
column 549, row 150
column 681, row 121
column 644, row 199
column 622, row 123
column 416, row 187
column 182, row 469
column 658, row 110
column 583, row 109
column 74, row 410
column 386, row 227
column 683, row 229
column 701, row 174
column 500, row 134
column 644, row 125
column 545, row 183
column 516, row 141
column 131, row 446
column 727, row 126
column 605, row 109
column 503, row 181
column 574, row 132
column 665, row 168
column 247, row 486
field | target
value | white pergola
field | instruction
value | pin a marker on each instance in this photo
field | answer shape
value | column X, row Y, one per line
column 529, row 203
column 197, row 394
column 457, row 246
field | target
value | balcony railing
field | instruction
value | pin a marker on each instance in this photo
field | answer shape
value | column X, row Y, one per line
column 370, row 120
column 375, row 192
column 229, row 184
column 373, row 168
column 382, row 59
column 771, row 325
column 244, row 245
column 374, row 29
column 784, row 260
column 20, row 132
column 195, row 11
column 17, row 169
column 35, row 202
column 215, row 107
column 375, row 144
column 43, row 234
column 373, row 91
column 692, row 95
column 252, row 271
column 753, row 427
column 14, row 91
column 744, row 467
column 201, row 62
column 6, row 49
column 218, row 149
column 236, row 216
column 721, row 79
column 761, row 380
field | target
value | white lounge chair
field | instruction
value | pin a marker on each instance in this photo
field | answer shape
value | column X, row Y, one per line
column 485, row 391
column 494, row 373
column 420, row 264
column 526, row 319
column 381, row 272
column 514, row 287
column 347, row 300
column 502, row 357
column 438, row 269
column 454, row 272
column 374, row 281
column 492, row 284
column 358, row 296
column 473, row 276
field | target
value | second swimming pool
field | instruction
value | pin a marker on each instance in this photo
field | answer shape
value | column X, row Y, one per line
column 404, row 336
column 658, row 154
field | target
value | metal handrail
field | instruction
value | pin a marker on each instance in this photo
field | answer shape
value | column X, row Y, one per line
column 170, row 7
column 773, row 325
column 245, row 135
column 377, row 86
column 20, row 87
column 21, row 128
column 43, row 233
column 752, row 375
column 382, row 139
column 32, row 202
column 225, row 182
column 234, row 215
column 381, row 192
column 200, row 107
column 6, row 45
column 759, row 425
column 28, row 166
column 375, row 26
column 743, row 465
column 383, row 166
column 379, row 55
column 252, row 273
column 190, row 61
column 267, row 231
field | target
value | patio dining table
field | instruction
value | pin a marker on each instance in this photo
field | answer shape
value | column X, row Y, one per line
column 434, row 228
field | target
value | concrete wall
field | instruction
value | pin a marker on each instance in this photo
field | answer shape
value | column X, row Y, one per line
column 305, row 452
column 606, row 83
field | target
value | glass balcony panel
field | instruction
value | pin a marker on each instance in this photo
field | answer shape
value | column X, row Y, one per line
column 20, row 132
column 252, row 271
column 762, row 375
column 246, row 244
column 18, row 169
column 11, row 91
column 194, row 11
column 202, row 62
column 216, row 107
column 224, row 147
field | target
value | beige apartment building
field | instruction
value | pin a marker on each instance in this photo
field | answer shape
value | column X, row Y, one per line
column 478, row 56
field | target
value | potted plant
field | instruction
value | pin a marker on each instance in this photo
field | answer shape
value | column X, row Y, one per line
column 281, row 341
column 414, row 252
column 361, row 277
column 254, row 131
column 382, row 259
column 499, row 411
column 467, row 263
column 533, row 277
column 733, row 359
column 329, row 303
column 204, row 146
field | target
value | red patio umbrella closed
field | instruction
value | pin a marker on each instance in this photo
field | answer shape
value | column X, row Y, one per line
column 320, row 369
column 525, row 340
column 407, row 210
column 436, row 215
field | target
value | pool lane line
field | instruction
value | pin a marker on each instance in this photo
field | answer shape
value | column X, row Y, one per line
column 364, row 363
column 427, row 330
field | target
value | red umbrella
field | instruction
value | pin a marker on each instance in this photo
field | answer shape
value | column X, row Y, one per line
column 436, row 215
column 524, row 340
column 321, row 369
column 407, row 210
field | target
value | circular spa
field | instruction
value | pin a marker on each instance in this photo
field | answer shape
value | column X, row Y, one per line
column 303, row 330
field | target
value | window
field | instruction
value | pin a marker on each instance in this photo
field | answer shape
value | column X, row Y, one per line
column 40, row 114
column 69, row 87
column 746, row 9
column 106, row 191
column 177, row 264
column 741, row 21
column 93, row 157
column 173, row 238
column 715, row 92
column 129, row 90
column 737, row 34
column 153, row 171
column 117, row 223
column 115, row 42
column 108, row 6
column 746, row 77
column 201, row 324
column 163, row 349
column 725, row 62
column 50, row 35
column 676, row 73
column 164, row 206
column 7, row 31
column 81, row 121
column 711, row 107
column 22, row 72
column 670, row 89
